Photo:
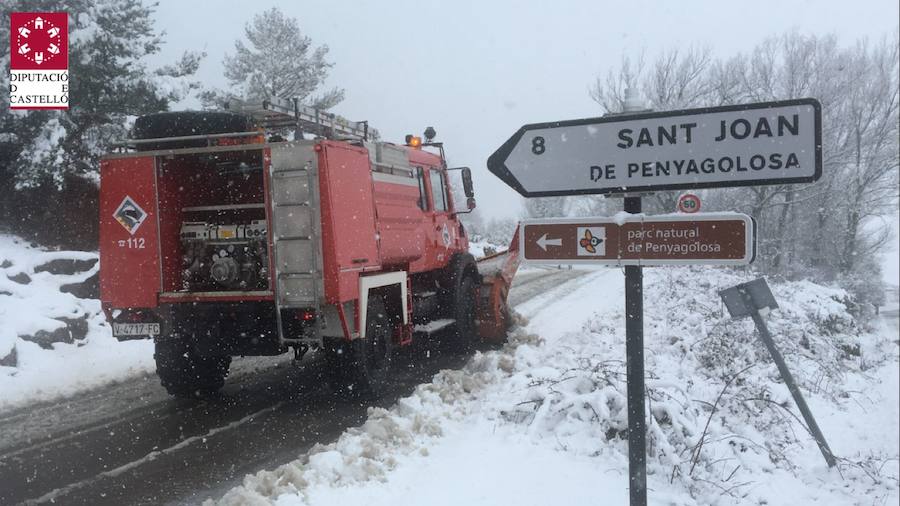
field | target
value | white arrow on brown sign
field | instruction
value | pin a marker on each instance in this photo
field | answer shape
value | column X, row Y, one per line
column 636, row 239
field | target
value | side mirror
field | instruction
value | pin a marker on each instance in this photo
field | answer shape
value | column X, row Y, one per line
column 470, row 203
column 467, row 185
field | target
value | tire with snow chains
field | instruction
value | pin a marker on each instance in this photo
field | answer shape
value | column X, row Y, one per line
column 187, row 375
column 465, row 333
column 361, row 367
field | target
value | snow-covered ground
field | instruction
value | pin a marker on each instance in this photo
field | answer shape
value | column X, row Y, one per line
column 52, row 343
column 543, row 421
column 480, row 249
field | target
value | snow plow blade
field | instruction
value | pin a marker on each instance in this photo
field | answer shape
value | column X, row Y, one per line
column 497, row 271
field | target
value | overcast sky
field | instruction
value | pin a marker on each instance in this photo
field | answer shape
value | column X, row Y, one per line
column 478, row 70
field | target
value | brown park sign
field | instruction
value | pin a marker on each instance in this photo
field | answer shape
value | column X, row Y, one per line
column 635, row 239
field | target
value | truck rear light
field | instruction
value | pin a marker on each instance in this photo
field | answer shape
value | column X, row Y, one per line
column 306, row 315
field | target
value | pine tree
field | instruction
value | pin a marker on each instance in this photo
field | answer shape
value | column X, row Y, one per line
column 828, row 231
column 545, row 207
column 279, row 61
column 49, row 158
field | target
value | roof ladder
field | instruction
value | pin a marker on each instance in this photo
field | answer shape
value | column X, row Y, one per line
column 274, row 113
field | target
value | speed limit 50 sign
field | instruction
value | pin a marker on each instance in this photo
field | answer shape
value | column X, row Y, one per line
column 688, row 203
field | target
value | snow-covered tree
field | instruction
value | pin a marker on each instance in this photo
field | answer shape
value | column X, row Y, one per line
column 545, row 207
column 593, row 205
column 870, row 178
column 46, row 153
column 279, row 61
column 677, row 79
column 109, row 41
column 497, row 231
column 824, row 230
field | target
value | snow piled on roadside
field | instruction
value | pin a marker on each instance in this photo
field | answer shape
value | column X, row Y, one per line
column 544, row 420
column 31, row 303
column 387, row 438
column 480, row 249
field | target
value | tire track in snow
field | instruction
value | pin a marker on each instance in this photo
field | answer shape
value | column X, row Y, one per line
column 53, row 494
column 601, row 289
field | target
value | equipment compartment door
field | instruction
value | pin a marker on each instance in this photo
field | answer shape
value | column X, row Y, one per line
column 349, row 239
column 129, row 234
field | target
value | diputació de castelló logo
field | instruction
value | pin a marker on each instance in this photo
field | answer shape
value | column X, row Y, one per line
column 39, row 60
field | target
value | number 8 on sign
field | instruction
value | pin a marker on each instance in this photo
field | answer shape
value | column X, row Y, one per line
column 688, row 203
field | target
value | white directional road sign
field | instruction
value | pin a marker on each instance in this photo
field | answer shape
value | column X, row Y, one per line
column 753, row 144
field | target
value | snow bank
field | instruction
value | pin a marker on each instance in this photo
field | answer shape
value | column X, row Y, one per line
column 723, row 428
column 544, row 420
column 376, row 448
column 480, row 249
column 53, row 343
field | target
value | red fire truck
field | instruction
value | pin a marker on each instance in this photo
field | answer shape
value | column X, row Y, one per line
column 218, row 238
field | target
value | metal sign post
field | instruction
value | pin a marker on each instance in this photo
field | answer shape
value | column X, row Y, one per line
column 634, row 353
column 747, row 299
column 634, row 370
column 642, row 151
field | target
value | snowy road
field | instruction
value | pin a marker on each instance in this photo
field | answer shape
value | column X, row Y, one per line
column 131, row 444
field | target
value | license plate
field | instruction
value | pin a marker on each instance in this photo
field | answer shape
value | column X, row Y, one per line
column 135, row 329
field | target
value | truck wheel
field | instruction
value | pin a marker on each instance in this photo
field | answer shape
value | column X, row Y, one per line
column 187, row 375
column 362, row 366
column 464, row 306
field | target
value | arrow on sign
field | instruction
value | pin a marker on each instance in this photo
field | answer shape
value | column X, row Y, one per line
column 743, row 145
column 543, row 242
column 676, row 239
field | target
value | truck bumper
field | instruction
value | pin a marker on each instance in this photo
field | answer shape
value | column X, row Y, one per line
column 246, row 328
